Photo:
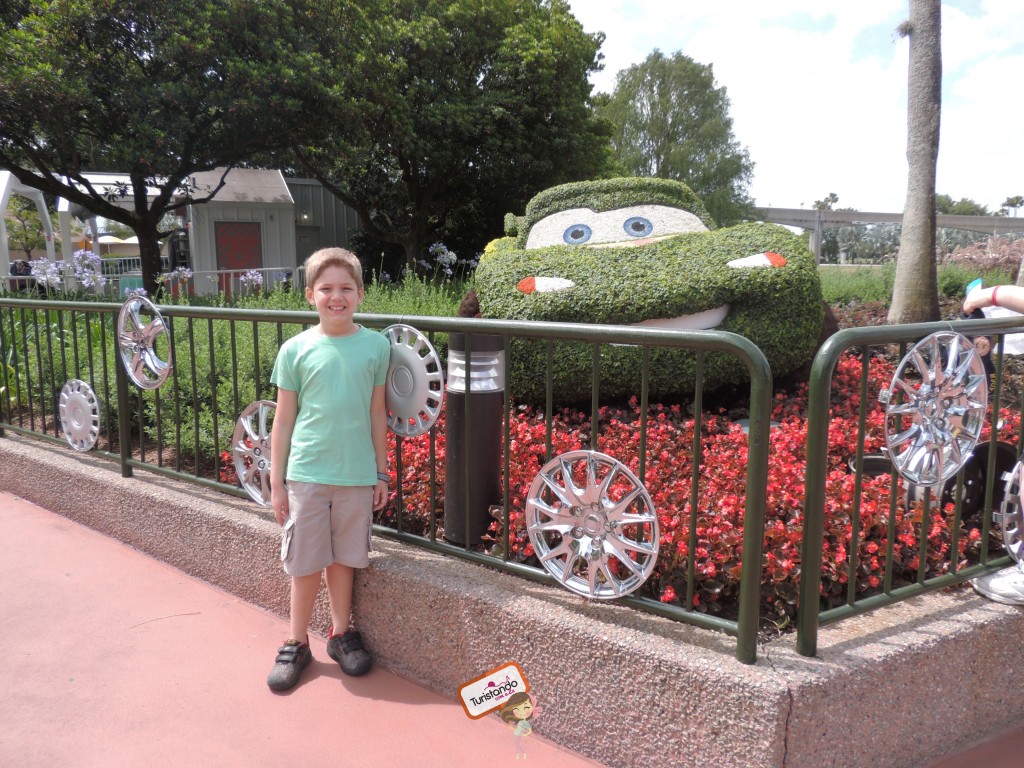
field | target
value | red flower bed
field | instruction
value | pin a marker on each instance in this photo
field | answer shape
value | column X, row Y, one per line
column 721, row 495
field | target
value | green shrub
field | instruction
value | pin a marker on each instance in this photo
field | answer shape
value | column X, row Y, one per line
column 955, row 276
column 851, row 285
column 843, row 285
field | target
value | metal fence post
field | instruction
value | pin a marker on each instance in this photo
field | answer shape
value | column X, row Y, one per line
column 124, row 428
column 820, row 386
column 754, row 512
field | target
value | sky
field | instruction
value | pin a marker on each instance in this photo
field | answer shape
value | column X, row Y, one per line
column 818, row 90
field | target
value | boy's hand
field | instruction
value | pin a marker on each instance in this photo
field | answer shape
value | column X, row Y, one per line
column 279, row 501
column 380, row 495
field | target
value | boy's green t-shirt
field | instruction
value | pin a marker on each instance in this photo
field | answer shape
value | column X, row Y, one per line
column 334, row 378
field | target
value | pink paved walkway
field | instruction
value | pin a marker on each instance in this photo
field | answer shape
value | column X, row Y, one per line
column 115, row 659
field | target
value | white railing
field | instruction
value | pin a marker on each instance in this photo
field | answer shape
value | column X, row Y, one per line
column 231, row 282
column 124, row 274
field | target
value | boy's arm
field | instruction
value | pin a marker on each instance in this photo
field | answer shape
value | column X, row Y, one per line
column 1009, row 296
column 280, row 447
column 379, row 435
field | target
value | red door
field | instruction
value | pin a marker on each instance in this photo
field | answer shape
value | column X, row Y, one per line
column 239, row 247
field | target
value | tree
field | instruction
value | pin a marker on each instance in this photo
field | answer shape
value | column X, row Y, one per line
column 25, row 230
column 915, row 296
column 470, row 108
column 159, row 91
column 827, row 204
column 672, row 122
column 962, row 207
column 1014, row 202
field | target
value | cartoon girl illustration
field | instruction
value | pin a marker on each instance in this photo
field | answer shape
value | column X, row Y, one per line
column 518, row 711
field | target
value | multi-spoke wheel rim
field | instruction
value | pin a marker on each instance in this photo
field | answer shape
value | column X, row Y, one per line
column 1011, row 517
column 592, row 524
column 1007, row 585
column 251, row 450
column 414, row 390
column 137, row 338
column 935, row 408
column 79, row 415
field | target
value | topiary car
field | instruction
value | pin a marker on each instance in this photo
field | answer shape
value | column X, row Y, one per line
column 643, row 251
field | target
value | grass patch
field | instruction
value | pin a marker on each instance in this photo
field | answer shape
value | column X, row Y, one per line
column 842, row 285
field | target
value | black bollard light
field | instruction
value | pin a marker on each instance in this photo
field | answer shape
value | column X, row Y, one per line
column 472, row 433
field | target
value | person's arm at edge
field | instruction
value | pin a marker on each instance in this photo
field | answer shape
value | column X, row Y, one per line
column 379, row 435
column 280, row 446
column 1009, row 296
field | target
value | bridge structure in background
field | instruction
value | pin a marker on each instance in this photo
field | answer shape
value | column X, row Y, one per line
column 817, row 221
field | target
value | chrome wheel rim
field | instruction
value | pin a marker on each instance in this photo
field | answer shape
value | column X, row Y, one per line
column 250, row 448
column 592, row 524
column 1011, row 517
column 137, row 338
column 79, row 415
column 935, row 408
column 414, row 391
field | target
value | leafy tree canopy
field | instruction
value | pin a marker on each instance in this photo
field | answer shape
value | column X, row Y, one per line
column 827, row 204
column 672, row 122
column 1014, row 202
column 962, row 207
column 25, row 231
column 470, row 108
column 160, row 91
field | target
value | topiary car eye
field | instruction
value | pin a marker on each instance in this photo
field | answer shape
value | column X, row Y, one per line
column 577, row 234
column 638, row 226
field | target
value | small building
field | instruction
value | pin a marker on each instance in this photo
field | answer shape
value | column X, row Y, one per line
column 249, row 224
column 256, row 220
column 321, row 219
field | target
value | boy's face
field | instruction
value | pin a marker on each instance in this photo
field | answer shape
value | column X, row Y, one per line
column 336, row 297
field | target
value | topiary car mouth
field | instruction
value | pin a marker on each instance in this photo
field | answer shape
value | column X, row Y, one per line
column 699, row 321
column 632, row 243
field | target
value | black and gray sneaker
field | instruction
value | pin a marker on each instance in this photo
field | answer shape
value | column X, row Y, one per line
column 350, row 653
column 292, row 658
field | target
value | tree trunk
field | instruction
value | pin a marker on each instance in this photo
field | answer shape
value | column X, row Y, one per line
column 149, row 251
column 915, row 295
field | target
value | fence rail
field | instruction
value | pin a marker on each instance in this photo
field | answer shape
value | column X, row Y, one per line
column 848, row 557
column 222, row 359
column 992, row 457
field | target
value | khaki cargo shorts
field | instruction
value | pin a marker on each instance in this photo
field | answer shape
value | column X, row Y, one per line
column 328, row 524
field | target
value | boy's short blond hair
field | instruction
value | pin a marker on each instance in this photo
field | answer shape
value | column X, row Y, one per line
column 333, row 257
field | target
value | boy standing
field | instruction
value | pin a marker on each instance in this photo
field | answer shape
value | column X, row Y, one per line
column 329, row 441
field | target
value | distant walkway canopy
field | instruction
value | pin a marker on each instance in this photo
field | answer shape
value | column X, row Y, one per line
column 9, row 185
column 817, row 221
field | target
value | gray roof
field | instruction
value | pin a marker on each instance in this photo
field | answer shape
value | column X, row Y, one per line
column 243, row 185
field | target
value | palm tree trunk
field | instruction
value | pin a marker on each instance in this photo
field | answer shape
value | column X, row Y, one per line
column 915, row 296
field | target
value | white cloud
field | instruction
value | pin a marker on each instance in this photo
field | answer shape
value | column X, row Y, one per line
column 818, row 90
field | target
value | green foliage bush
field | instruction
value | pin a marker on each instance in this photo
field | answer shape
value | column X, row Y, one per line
column 955, row 276
column 217, row 379
column 843, row 285
column 220, row 366
column 41, row 349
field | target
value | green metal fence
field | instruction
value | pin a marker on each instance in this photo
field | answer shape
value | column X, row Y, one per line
column 222, row 360
column 817, row 607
